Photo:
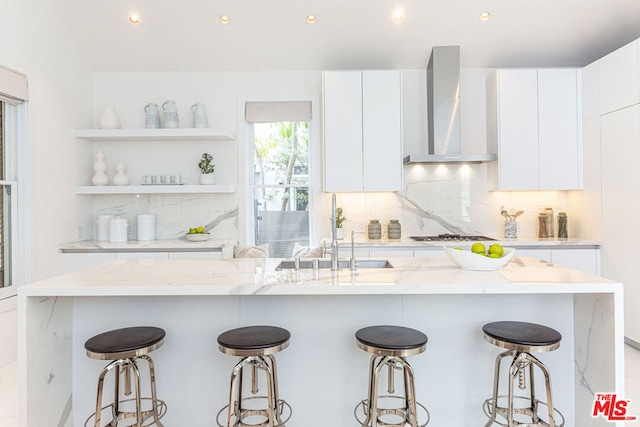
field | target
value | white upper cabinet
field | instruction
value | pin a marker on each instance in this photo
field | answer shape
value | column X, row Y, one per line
column 362, row 131
column 534, row 124
column 620, row 78
column 559, row 141
column 591, row 91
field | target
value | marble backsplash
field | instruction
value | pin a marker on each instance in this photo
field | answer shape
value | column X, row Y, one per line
column 435, row 199
column 447, row 199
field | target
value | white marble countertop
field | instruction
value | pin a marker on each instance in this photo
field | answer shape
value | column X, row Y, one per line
column 259, row 277
column 142, row 246
column 362, row 242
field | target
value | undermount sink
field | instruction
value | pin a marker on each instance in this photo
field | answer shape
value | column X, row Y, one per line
column 326, row 264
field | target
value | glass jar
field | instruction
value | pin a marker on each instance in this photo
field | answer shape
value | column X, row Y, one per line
column 374, row 230
column 394, row 229
column 550, row 223
column 543, row 223
column 562, row 225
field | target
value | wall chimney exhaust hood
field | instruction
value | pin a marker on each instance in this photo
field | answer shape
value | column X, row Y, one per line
column 443, row 101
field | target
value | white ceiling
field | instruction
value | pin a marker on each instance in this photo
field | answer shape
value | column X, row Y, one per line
column 186, row 35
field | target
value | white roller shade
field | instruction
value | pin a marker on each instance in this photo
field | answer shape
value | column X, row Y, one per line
column 13, row 86
column 268, row 112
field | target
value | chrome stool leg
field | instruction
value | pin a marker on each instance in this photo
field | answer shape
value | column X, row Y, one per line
column 274, row 406
column 371, row 406
column 520, row 364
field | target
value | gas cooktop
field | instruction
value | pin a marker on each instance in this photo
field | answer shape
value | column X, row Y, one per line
column 449, row 238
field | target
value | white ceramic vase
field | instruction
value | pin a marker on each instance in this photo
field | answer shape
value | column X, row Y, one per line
column 207, row 179
column 120, row 178
column 109, row 119
column 100, row 167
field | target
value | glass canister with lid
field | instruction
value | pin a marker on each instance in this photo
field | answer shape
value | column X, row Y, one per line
column 550, row 222
column 562, row 225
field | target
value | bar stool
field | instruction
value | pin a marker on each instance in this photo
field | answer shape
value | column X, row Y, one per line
column 390, row 346
column 521, row 339
column 255, row 345
column 126, row 347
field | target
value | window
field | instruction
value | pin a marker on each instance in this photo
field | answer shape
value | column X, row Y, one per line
column 280, row 181
column 13, row 124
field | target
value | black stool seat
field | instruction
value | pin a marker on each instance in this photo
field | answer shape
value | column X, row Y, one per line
column 395, row 339
column 125, row 342
column 522, row 336
column 251, row 340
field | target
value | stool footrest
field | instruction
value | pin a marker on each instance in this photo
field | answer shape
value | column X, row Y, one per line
column 282, row 408
column 147, row 415
column 401, row 413
column 530, row 411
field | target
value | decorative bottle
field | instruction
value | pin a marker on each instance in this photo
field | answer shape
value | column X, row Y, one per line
column 374, row 230
column 394, row 229
column 100, row 167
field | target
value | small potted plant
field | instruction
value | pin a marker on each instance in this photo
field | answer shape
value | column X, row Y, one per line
column 340, row 219
column 207, row 169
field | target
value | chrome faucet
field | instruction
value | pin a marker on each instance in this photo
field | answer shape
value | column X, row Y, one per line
column 334, row 235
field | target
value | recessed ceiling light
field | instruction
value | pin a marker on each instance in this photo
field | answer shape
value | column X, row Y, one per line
column 311, row 19
column 225, row 19
column 398, row 15
column 485, row 16
column 134, row 19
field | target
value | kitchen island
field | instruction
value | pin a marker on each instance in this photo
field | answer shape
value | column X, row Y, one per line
column 322, row 374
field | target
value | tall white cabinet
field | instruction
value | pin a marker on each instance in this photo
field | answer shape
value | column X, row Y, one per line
column 362, row 131
column 612, row 127
column 534, row 124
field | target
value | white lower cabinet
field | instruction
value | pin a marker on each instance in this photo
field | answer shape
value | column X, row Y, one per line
column 142, row 255
column 429, row 253
column 79, row 261
column 195, row 255
column 391, row 253
column 74, row 261
column 587, row 260
column 543, row 254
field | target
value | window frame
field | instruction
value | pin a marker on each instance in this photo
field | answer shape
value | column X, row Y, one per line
column 246, row 228
column 16, row 163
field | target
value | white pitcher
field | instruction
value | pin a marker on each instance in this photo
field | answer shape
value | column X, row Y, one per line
column 170, row 114
column 199, row 115
column 152, row 119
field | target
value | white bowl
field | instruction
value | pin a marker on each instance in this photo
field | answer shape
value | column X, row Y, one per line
column 467, row 260
column 198, row 237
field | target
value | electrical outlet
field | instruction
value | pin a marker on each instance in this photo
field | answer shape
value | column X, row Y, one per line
column 130, row 229
column 79, row 233
column 358, row 227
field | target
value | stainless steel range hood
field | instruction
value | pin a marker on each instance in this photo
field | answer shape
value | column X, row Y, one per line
column 443, row 99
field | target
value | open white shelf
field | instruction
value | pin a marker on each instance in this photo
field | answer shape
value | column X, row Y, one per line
column 181, row 134
column 155, row 189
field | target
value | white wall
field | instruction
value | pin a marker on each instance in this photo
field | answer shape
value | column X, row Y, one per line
column 37, row 44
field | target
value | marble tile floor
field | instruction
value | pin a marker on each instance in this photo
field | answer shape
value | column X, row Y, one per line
column 9, row 386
